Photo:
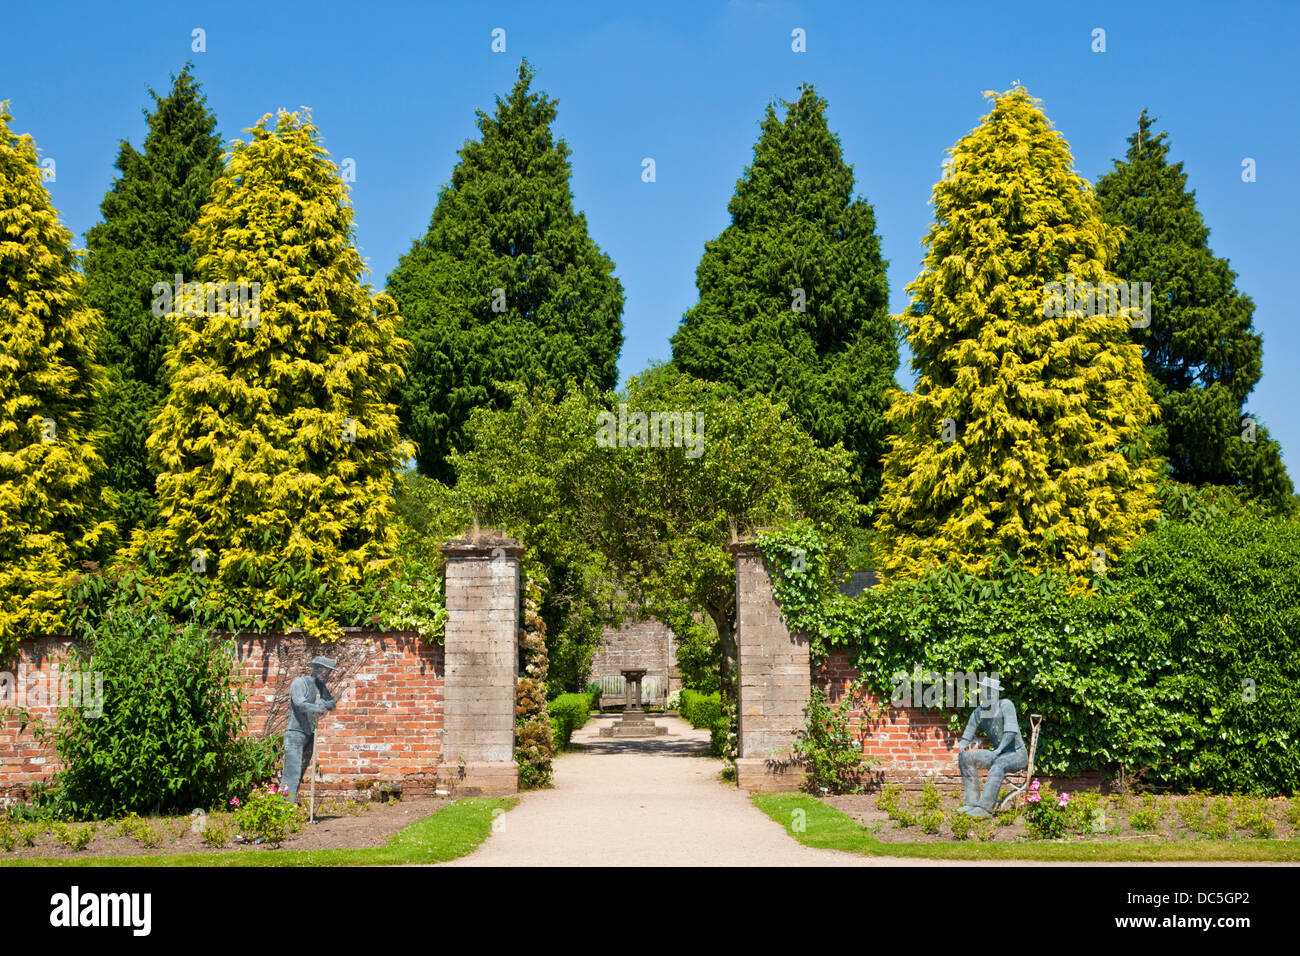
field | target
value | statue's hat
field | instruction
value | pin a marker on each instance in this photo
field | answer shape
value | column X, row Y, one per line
column 992, row 683
column 323, row 662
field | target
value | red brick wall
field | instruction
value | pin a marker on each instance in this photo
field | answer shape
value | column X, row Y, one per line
column 387, row 727
column 30, row 679
column 911, row 745
column 908, row 745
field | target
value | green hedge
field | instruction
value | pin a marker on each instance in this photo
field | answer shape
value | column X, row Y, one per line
column 704, row 712
column 701, row 711
column 568, row 713
column 1183, row 669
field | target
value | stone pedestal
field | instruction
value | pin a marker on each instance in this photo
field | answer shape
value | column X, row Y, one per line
column 773, row 680
column 634, row 722
column 482, row 662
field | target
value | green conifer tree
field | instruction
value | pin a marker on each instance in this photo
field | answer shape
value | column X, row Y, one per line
column 54, row 508
column 1024, row 432
column 279, row 438
column 147, row 212
column 793, row 294
column 506, row 286
column 1200, row 346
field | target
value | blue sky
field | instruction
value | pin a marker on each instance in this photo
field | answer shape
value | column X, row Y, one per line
column 394, row 86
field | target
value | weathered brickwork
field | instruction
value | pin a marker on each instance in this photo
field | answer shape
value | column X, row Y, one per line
column 386, row 730
column 913, row 745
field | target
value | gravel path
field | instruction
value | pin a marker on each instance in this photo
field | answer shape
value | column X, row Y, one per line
column 654, row 801
column 658, row 802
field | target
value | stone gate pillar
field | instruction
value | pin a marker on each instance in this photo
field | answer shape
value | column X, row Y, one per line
column 773, row 679
column 482, row 662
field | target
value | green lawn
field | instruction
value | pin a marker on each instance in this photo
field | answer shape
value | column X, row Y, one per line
column 445, row 835
column 826, row 828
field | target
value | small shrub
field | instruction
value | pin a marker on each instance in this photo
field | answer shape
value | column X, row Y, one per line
column 82, row 836
column 1218, row 819
column 1045, row 817
column 27, row 835
column 1147, row 817
column 165, row 734
column 1254, row 817
column 962, row 824
column 79, row 838
column 1084, row 813
column 672, row 702
column 932, row 820
column 891, row 796
column 1191, row 811
column 142, row 831
column 931, row 798
column 8, row 838
column 216, row 833
column 268, row 814
column 1293, row 813
column 352, row 808
column 127, row 826
column 831, row 755
column 984, row 830
column 905, row 817
column 1008, row 817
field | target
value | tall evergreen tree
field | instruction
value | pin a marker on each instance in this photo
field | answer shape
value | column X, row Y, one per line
column 53, row 507
column 506, row 285
column 1200, row 347
column 279, row 437
column 147, row 213
column 1024, row 432
column 793, row 294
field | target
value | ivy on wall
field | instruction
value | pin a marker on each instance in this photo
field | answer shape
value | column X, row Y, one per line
column 1180, row 666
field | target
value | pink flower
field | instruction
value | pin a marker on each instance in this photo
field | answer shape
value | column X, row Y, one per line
column 1063, row 799
column 1034, row 786
column 1033, row 797
column 234, row 801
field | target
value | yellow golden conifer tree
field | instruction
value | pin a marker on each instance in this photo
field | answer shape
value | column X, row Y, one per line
column 1024, row 433
column 53, row 502
column 279, row 439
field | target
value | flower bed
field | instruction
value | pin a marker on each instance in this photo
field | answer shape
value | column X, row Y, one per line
column 893, row 816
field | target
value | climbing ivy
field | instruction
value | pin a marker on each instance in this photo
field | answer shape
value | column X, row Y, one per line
column 1180, row 666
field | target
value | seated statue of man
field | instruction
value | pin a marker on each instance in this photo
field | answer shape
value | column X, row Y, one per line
column 995, row 718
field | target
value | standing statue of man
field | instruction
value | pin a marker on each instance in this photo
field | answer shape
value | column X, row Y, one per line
column 995, row 718
column 304, row 710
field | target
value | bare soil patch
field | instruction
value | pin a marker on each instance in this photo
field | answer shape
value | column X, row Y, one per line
column 340, row 825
